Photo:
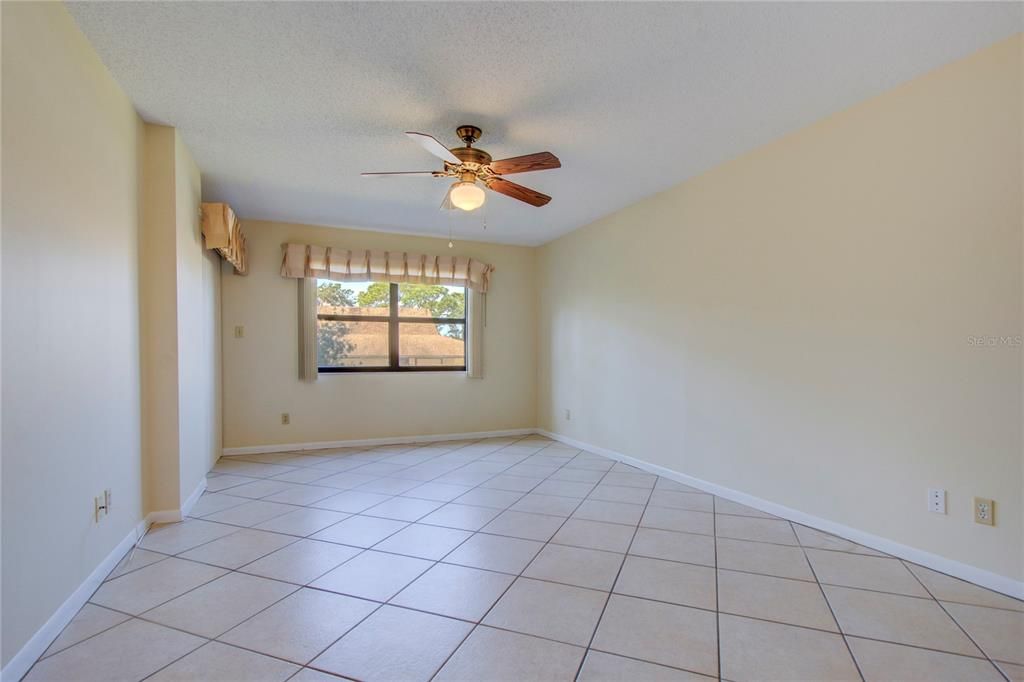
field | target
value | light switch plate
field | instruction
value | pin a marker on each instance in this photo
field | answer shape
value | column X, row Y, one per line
column 937, row 500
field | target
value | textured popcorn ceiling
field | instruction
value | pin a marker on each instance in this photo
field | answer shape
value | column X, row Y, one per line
column 284, row 104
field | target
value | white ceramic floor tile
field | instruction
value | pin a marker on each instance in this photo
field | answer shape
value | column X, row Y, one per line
column 495, row 553
column 760, row 557
column 523, row 525
column 360, row 531
column 90, row 620
column 999, row 632
column 795, row 602
column 665, row 544
column 239, row 548
column 394, row 644
column 300, row 626
column 403, row 508
column 947, row 588
column 552, row 505
column 425, row 542
column 372, row 575
column 350, row 501
column 895, row 618
column 882, row 661
column 576, row 566
column 218, row 606
column 456, row 591
column 751, row 528
column 301, row 562
column 499, row 656
column 865, row 572
column 602, row 667
column 461, row 516
column 220, row 662
column 676, row 636
column 759, row 650
column 125, row 653
column 679, row 520
column 172, row 538
column 215, row 502
column 151, row 586
column 611, row 537
column 134, row 560
column 251, row 513
column 668, row 581
column 560, row 612
column 303, row 522
column 609, row 512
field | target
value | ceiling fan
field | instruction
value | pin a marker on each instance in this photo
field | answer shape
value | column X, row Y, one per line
column 472, row 165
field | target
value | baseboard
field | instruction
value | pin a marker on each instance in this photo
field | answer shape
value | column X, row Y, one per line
column 41, row 641
column 398, row 440
column 978, row 576
column 175, row 515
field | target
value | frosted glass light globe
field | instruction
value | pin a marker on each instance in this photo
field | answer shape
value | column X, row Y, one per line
column 467, row 196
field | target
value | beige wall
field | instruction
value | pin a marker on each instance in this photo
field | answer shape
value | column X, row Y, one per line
column 181, row 327
column 159, row 309
column 796, row 324
column 70, row 213
column 261, row 369
column 198, row 332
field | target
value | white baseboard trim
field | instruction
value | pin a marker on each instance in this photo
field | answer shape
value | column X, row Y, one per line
column 175, row 515
column 41, row 641
column 398, row 440
column 978, row 576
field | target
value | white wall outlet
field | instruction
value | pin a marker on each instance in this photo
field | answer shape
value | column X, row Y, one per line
column 984, row 511
column 99, row 508
column 107, row 496
column 937, row 500
column 239, row 332
column 568, row 415
column 286, row 419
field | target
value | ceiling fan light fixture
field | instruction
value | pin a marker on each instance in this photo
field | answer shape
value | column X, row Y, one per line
column 467, row 195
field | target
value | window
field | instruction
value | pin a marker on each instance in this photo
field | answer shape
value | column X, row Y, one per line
column 390, row 327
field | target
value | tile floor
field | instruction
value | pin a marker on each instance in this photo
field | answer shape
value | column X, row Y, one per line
column 513, row 559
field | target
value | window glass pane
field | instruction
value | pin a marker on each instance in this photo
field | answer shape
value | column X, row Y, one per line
column 431, row 345
column 431, row 300
column 352, row 298
column 352, row 344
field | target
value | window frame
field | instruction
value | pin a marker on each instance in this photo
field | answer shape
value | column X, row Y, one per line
column 394, row 319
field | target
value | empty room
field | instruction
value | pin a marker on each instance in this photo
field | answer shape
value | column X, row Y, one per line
column 512, row 341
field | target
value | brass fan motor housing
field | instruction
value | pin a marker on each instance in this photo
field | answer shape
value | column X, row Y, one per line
column 471, row 155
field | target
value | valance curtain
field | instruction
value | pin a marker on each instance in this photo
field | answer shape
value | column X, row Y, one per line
column 342, row 265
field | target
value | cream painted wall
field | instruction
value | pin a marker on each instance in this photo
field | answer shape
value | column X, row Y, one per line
column 70, row 215
column 796, row 324
column 261, row 369
column 181, row 327
column 159, row 308
column 198, row 332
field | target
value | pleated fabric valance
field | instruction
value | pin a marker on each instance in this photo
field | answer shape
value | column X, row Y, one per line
column 327, row 262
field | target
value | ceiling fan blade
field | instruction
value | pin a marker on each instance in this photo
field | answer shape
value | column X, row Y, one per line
column 413, row 173
column 511, row 189
column 525, row 164
column 434, row 147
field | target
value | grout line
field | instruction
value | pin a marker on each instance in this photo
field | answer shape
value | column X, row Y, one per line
column 618, row 573
column 957, row 623
column 824, row 596
column 718, row 610
column 466, row 462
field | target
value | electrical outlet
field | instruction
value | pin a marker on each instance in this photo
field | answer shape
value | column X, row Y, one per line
column 984, row 511
column 99, row 508
column 286, row 419
column 239, row 332
column 568, row 415
column 937, row 500
column 107, row 496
